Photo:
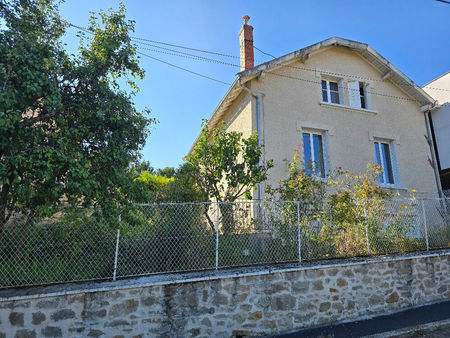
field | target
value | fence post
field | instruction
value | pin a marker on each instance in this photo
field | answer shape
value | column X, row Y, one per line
column 367, row 231
column 116, row 254
column 299, row 237
column 424, row 216
column 217, row 235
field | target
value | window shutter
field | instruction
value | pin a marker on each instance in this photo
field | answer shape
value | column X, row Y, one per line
column 353, row 94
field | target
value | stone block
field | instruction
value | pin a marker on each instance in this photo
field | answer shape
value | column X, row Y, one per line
column 24, row 334
column 51, row 331
column 206, row 322
column 124, row 308
column 300, row 286
column 318, row 285
column 95, row 333
column 93, row 315
column 283, row 302
column 393, row 298
column 341, row 282
column 220, row 299
column 257, row 315
column 37, row 318
column 324, row 306
column 16, row 318
column 62, row 315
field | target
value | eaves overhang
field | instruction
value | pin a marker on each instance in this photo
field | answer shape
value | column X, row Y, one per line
column 388, row 71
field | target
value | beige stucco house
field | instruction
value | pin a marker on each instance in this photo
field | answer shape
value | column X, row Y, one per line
column 338, row 100
column 439, row 89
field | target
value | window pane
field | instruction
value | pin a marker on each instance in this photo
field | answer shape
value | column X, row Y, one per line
column 334, row 86
column 324, row 95
column 334, row 92
column 324, row 91
column 318, row 155
column 387, row 160
column 362, row 93
column 307, row 153
column 334, row 97
column 377, row 156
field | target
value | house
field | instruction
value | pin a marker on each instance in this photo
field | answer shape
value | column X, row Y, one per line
column 339, row 100
column 439, row 89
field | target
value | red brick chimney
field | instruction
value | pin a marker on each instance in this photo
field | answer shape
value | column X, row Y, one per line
column 246, row 43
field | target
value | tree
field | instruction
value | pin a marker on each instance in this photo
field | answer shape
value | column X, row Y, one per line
column 227, row 164
column 67, row 129
column 168, row 172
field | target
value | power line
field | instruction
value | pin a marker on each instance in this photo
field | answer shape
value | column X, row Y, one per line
column 202, row 58
column 444, row 1
column 186, row 70
column 273, row 57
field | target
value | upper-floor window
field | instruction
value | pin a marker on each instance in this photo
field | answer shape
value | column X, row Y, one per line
column 330, row 92
column 357, row 92
column 384, row 160
column 313, row 150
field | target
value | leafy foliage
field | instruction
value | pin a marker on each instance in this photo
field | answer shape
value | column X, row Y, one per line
column 226, row 166
column 67, row 130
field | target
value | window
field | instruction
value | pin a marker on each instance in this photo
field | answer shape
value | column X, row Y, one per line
column 362, row 95
column 357, row 92
column 313, row 154
column 330, row 92
column 384, row 160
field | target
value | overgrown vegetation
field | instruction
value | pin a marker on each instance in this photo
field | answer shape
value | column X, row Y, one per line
column 67, row 130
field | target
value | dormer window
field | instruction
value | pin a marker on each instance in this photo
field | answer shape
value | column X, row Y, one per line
column 330, row 92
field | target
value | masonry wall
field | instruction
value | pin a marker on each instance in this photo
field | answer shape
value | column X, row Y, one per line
column 255, row 303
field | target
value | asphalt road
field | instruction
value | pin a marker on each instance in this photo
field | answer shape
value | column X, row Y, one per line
column 385, row 323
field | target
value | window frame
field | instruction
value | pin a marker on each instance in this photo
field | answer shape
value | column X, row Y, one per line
column 391, row 158
column 328, row 90
column 322, row 161
column 363, row 95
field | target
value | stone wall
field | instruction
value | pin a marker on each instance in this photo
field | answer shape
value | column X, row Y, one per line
column 255, row 303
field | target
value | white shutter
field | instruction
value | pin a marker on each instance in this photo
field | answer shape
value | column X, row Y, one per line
column 353, row 94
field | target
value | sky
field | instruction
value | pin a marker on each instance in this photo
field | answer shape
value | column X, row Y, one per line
column 414, row 35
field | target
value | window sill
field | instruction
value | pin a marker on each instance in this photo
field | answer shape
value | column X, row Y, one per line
column 393, row 187
column 342, row 106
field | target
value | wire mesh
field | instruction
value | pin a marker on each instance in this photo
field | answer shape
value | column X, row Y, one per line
column 80, row 244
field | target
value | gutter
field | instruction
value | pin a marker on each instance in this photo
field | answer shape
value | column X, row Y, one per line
column 258, row 123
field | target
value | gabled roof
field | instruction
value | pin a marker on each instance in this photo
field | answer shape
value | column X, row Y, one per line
column 362, row 49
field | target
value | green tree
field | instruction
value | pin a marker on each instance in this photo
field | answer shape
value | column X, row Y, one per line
column 67, row 129
column 168, row 172
column 227, row 165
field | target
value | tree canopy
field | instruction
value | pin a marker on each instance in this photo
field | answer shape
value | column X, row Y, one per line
column 227, row 165
column 68, row 131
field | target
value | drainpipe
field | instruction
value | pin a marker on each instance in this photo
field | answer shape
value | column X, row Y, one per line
column 433, row 154
column 258, row 124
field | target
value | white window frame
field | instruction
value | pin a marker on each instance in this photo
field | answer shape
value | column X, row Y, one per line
column 324, row 142
column 340, row 93
column 394, row 162
column 364, row 95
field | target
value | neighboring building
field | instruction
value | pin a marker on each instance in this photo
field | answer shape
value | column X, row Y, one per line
column 439, row 89
column 341, row 102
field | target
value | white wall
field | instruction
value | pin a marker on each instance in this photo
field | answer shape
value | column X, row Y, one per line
column 439, row 89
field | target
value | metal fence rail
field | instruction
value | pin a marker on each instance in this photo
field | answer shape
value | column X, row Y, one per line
column 77, row 244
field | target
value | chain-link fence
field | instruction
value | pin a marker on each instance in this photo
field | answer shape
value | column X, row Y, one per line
column 79, row 244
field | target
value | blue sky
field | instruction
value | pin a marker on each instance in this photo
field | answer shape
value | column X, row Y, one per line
column 414, row 35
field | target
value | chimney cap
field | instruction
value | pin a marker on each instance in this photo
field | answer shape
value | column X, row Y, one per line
column 246, row 18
